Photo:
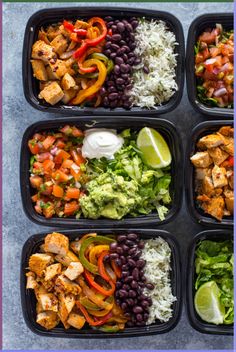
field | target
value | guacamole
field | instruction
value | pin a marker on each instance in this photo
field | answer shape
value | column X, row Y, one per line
column 110, row 196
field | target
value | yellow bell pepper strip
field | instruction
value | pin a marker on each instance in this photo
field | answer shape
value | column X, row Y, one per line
column 93, row 296
column 96, row 251
column 99, row 288
column 100, row 56
column 89, row 304
column 83, row 94
column 90, row 319
column 110, row 328
column 84, row 245
column 98, row 313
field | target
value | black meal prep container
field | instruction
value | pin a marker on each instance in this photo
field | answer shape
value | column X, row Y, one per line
column 194, row 319
column 53, row 15
column 28, row 299
column 195, row 211
column 197, row 27
column 166, row 128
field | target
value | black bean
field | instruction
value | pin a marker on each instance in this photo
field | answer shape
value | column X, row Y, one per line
column 107, row 52
column 150, row 286
column 114, row 28
column 135, row 273
column 128, row 242
column 126, row 287
column 119, row 60
column 114, row 255
column 116, row 69
column 130, row 301
column 140, row 263
column 110, row 83
column 105, row 101
column 132, row 250
column 149, row 301
column 121, row 238
column 139, row 317
column 113, row 96
column 143, row 279
column 109, row 24
column 111, row 89
column 132, row 293
column 129, row 87
column 130, row 61
column 113, row 245
column 144, row 303
column 132, row 236
column 123, row 293
column 119, row 249
column 125, row 248
column 134, row 284
column 132, row 46
column 118, row 285
column 106, row 258
column 125, row 273
column 125, row 267
column 116, row 37
column 112, row 55
column 118, row 262
column 122, row 42
column 125, row 57
column 137, row 254
column 115, row 46
column 124, row 305
column 102, row 92
column 120, row 81
column 130, row 324
column 127, row 49
column 127, row 315
column 108, row 45
column 137, row 61
column 108, row 37
column 128, row 27
column 137, row 309
column 131, row 263
column 131, row 54
column 108, row 18
column 146, row 69
column 123, row 259
column 134, row 24
column 120, row 27
column 141, row 244
column 145, row 316
column 124, row 75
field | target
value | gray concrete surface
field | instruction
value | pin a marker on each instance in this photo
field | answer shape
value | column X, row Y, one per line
column 17, row 116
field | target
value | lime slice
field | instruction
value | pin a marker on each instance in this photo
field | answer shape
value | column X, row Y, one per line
column 156, row 152
column 207, row 303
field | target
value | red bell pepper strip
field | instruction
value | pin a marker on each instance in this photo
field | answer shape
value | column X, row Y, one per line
column 101, row 268
column 231, row 161
column 81, row 50
column 69, row 26
column 116, row 269
column 93, row 42
column 80, row 31
column 99, row 288
column 89, row 319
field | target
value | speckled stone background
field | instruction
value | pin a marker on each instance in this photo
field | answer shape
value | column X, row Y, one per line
column 17, row 116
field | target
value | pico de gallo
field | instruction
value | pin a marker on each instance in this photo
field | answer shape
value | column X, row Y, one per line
column 214, row 67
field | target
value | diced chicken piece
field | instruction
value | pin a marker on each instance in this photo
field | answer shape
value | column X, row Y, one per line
column 52, row 93
column 226, row 212
column 39, row 290
column 208, row 187
column 39, row 308
column 219, row 176
column 76, row 320
column 229, row 148
column 226, row 131
column 215, row 207
column 59, row 68
column 48, row 320
column 52, row 270
column 64, row 285
column 43, row 51
column 201, row 173
column 218, row 191
column 38, row 263
column 211, row 140
column 74, row 270
column 230, row 204
column 230, row 177
column 51, row 75
column 48, row 301
column 201, row 159
column 53, row 32
column 75, row 246
column 218, row 155
column 31, row 282
column 59, row 43
column 68, row 95
column 56, row 243
column 67, row 259
column 228, row 193
column 67, row 81
column 66, row 304
column 39, row 70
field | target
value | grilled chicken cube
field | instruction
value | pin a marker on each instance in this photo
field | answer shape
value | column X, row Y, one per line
column 74, row 270
column 68, row 95
column 201, row 173
column 66, row 304
column 59, row 68
column 67, row 259
column 59, row 43
column 226, row 131
column 215, row 207
column 52, row 93
column 211, row 140
column 64, row 285
column 56, row 243
column 38, row 263
column 201, row 159
column 219, row 176
column 68, row 81
column 230, row 204
column 208, row 187
column 43, row 51
column 48, row 301
column 75, row 246
column 76, row 320
column 31, row 280
column 218, row 155
column 52, row 270
column 51, row 75
column 39, row 70
column 48, row 320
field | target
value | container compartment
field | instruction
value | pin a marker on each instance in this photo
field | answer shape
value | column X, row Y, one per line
column 28, row 299
column 196, row 28
column 164, row 127
column 196, row 212
column 49, row 16
column 196, row 322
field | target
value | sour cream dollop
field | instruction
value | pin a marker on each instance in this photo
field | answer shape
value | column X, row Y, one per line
column 99, row 142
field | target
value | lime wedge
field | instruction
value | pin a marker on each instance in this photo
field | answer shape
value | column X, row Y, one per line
column 207, row 303
column 155, row 151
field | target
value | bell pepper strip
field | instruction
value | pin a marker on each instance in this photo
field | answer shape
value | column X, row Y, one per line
column 91, row 22
column 110, row 66
column 100, row 57
column 84, row 245
column 75, row 38
column 96, row 251
column 83, row 94
column 110, row 272
column 98, row 101
column 89, row 304
column 231, row 161
column 101, row 268
column 116, row 269
column 68, row 26
column 88, row 75
column 98, row 287
column 89, row 318
column 81, row 50
column 111, row 328
column 98, row 313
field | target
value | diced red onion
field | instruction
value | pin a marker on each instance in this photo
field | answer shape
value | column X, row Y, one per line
column 210, row 61
column 77, row 184
column 220, row 92
column 216, row 70
column 53, row 151
column 225, row 67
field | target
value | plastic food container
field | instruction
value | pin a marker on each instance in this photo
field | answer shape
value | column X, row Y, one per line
column 53, row 15
column 166, row 128
column 196, row 28
column 28, row 299
column 196, row 212
column 196, row 322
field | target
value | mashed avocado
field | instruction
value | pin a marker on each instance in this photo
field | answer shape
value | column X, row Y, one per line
column 110, row 196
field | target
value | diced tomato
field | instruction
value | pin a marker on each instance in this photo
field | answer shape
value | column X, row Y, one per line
column 206, row 54
column 38, row 209
column 48, row 142
column 61, row 156
column 48, row 166
column 60, row 144
column 72, row 193
column 78, row 159
column 76, row 132
column 58, row 191
column 60, row 176
column 33, row 146
column 36, row 181
column 43, row 156
column 38, row 136
column 76, row 174
column 67, row 164
column 70, row 208
column 214, row 51
column 46, row 189
column 199, row 58
column 67, row 130
column 35, row 197
column 209, row 37
column 48, row 211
